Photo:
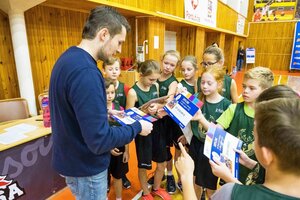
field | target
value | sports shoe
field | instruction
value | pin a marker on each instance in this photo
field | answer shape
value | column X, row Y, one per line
column 151, row 180
column 147, row 197
column 179, row 186
column 126, row 183
column 171, row 186
column 161, row 193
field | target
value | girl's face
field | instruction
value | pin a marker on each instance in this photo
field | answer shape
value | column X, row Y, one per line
column 210, row 60
column 209, row 85
column 110, row 93
column 169, row 64
column 149, row 80
column 251, row 90
column 188, row 71
column 113, row 71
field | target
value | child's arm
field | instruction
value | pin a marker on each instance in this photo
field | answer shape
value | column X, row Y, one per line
column 126, row 154
column 201, row 119
column 131, row 99
column 225, row 119
column 220, row 170
column 172, row 91
column 233, row 92
column 185, row 167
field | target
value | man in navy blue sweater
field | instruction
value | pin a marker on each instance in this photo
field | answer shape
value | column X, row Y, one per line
column 82, row 137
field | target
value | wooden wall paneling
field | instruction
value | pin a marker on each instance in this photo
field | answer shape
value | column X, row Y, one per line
column 50, row 32
column 156, row 27
column 228, row 51
column 273, row 43
column 9, row 87
column 210, row 37
column 199, row 47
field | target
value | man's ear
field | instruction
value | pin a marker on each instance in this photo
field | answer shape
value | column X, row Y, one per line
column 103, row 34
column 267, row 156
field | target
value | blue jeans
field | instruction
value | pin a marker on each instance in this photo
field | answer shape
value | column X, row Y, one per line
column 90, row 187
column 239, row 64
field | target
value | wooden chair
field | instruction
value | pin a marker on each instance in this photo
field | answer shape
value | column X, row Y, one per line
column 13, row 109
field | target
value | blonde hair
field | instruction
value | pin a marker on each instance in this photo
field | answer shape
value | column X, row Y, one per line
column 148, row 67
column 192, row 60
column 262, row 74
column 216, row 51
column 108, row 83
column 174, row 53
column 278, row 129
column 218, row 73
column 111, row 61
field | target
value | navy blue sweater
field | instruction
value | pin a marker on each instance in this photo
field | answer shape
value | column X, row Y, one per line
column 82, row 137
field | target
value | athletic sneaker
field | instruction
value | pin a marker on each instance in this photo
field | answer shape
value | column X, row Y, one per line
column 147, row 197
column 161, row 193
column 151, row 180
column 171, row 186
column 179, row 186
column 126, row 183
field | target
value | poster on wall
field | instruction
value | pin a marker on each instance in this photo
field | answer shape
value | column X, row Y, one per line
column 273, row 10
column 250, row 55
column 201, row 11
column 295, row 58
column 240, row 24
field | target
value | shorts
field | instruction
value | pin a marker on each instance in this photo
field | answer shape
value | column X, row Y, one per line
column 203, row 173
column 151, row 147
column 173, row 132
column 116, row 167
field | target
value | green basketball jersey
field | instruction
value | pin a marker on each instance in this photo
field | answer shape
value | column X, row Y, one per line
column 164, row 85
column 241, row 126
column 212, row 111
column 120, row 95
column 144, row 97
column 257, row 192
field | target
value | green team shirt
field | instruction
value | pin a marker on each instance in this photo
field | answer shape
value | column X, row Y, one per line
column 164, row 85
column 144, row 97
column 233, row 191
column 120, row 95
column 238, row 120
column 257, row 192
column 212, row 111
column 226, row 87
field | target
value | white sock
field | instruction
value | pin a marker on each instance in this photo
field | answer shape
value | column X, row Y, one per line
column 118, row 198
column 169, row 173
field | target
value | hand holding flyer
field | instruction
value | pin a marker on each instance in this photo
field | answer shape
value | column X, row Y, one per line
column 220, row 146
column 131, row 115
column 183, row 107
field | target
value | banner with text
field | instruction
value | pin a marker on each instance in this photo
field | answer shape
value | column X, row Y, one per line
column 201, row 11
column 295, row 58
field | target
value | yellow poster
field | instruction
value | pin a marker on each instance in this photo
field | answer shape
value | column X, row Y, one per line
column 272, row 10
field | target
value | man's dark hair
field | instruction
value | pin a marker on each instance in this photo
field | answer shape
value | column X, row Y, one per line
column 104, row 17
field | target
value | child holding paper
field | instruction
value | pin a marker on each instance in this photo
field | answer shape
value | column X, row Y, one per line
column 119, row 160
column 214, row 105
column 143, row 91
column 112, row 70
column 277, row 135
column 238, row 118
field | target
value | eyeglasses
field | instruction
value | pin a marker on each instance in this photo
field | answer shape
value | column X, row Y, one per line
column 206, row 64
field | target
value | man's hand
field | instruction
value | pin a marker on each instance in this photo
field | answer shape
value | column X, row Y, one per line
column 146, row 127
column 116, row 152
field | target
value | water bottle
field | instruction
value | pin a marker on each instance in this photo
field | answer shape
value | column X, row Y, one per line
column 46, row 111
column 234, row 70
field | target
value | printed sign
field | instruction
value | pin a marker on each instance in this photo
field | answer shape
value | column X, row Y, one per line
column 250, row 55
column 219, row 145
column 295, row 58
